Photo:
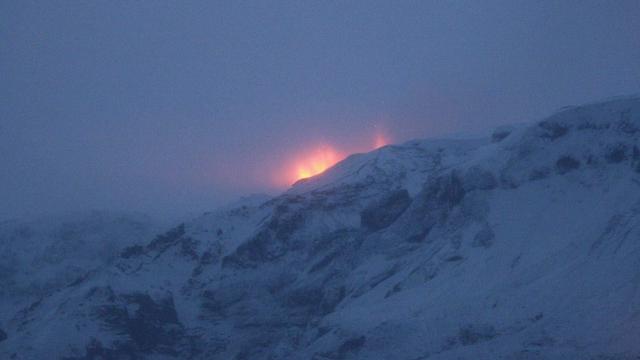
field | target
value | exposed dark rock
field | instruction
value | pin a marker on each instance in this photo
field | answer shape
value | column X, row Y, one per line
column 331, row 298
column 418, row 237
column 500, row 134
column 472, row 334
column 101, row 293
column 132, row 251
column 311, row 301
column 537, row 317
column 305, row 297
column 477, row 178
column 626, row 124
column 352, row 345
column 96, row 351
column 516, row 261
column 375, row 281
column 324, row 261
column 454, row 258
column 285, row 222
column 616, row 154
column 348, row 348
column 330, row 242
column 26, row 312
column 161, row 242
column 552, row 129
column 507, row 181
column 566, row 164
column 450, row 190
column 263, row 247
column 82, row 278
column 484, row 237
column 384, row 212
column 207, row 258
column 420, row 275
column 381, row 277
column 539, row 174
column 394, row 290
column 432, row 206
column 216, row 304
column 151, row 326
column 590, row 125
column 272, row 241
column 541, row 342
column 635, row 155
column 188, row 248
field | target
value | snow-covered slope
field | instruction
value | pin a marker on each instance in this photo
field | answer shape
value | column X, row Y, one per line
column 522, row 246
column 44, row 254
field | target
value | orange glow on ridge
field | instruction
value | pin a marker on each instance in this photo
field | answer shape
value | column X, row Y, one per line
column 316, row 162
column 381, row 140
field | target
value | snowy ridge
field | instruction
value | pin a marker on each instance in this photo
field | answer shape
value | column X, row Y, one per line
column 520, row 246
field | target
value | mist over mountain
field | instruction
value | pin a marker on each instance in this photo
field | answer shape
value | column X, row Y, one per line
column 178, row 107
column 521, row 245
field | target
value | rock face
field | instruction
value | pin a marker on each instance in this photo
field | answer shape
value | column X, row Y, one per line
column 384, row 212
column 520, row 246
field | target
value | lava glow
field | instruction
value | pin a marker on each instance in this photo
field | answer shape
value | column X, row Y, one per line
column 381, row 140
column 316, row 162
column 306, row 164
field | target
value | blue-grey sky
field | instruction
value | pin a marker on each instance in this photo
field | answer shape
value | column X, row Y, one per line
column 168, row 106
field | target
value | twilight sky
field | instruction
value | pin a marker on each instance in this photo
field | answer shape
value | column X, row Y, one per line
column 169, row 106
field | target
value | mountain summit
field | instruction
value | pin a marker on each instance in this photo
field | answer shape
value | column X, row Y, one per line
column 524, row 245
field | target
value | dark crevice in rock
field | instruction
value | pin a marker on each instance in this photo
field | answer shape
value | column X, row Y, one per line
column 552, row 129
column 385, row 211
column 566, row 164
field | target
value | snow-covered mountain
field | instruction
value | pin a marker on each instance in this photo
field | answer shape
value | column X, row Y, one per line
column 43, row 254
column 525, row 245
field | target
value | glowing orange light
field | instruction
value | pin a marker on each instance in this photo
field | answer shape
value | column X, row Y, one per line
column 316, row 162
column 380, row 141
column 306, row 164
